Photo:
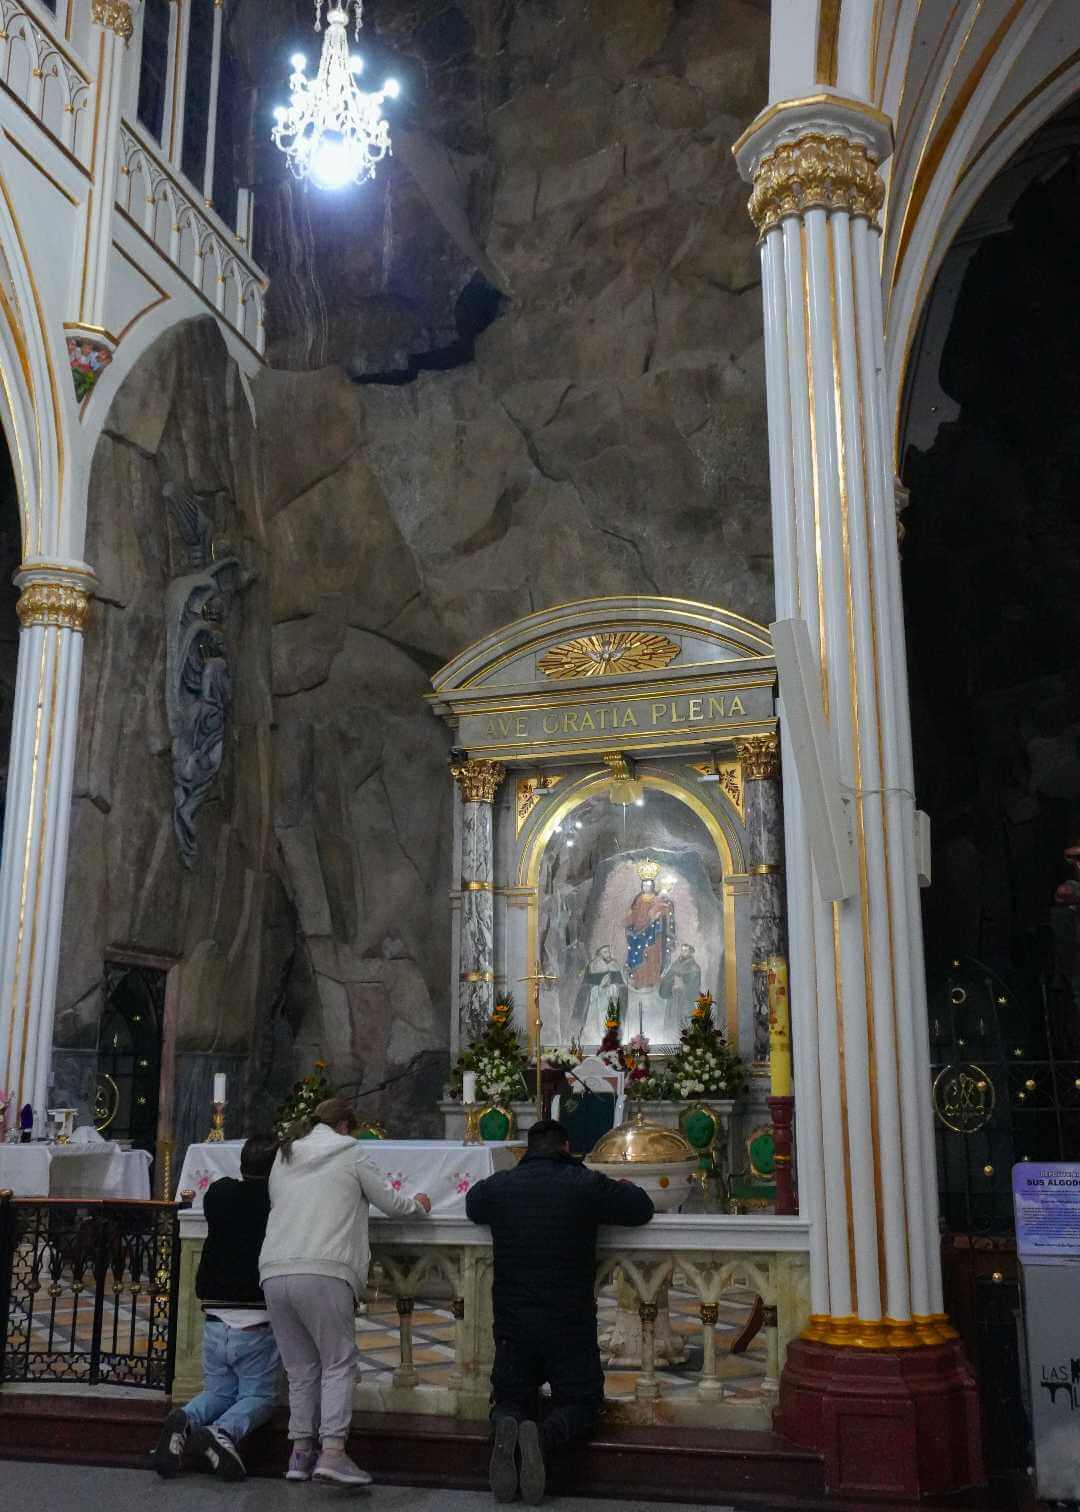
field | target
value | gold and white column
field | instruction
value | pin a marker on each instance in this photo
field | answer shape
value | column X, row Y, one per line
column 52, row 609
column 865, row 1148
column 478, row 782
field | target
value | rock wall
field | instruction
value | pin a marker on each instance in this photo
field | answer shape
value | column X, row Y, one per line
column 609, row 436
column 182, row 417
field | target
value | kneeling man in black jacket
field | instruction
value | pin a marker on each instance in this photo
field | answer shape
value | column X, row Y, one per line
column 543, row 1216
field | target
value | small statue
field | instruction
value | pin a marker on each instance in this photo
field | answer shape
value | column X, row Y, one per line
column 26, row 1124
column 198, row 691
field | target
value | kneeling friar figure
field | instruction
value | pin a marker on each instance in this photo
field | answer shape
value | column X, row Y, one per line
column 543, row 1217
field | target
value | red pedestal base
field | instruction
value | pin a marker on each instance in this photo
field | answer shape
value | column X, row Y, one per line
column 891, row 1424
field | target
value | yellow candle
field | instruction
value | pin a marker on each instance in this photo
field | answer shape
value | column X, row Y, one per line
column 779, row 1028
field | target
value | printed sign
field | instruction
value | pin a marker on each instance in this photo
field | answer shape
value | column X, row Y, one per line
column 1046, row 1202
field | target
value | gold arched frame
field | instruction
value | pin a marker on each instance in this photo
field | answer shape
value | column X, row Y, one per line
column 728, row 848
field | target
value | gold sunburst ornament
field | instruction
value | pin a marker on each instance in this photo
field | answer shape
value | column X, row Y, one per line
column 608, row 652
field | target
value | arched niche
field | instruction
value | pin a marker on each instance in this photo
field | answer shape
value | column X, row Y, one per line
column 573, row 703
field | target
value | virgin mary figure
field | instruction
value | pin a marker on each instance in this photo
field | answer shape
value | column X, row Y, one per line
column 650, row 931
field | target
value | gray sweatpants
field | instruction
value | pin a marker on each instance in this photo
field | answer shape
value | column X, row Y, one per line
column 312, row 1319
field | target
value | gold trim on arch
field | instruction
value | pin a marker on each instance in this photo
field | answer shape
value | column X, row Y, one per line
column 728, row 846
column 828, row 42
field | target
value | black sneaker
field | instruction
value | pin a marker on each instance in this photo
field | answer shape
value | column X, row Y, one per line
column 502, row 1471
column 533, row 1474
column 172, row 1443
column 220, row 1453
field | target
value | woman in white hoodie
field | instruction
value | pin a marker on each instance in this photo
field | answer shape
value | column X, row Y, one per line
column 313, row 1267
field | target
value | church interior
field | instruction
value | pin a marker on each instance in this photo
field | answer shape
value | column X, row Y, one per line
column 537, row 581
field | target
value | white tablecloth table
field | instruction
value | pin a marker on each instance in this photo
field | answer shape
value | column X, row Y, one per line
column 443, row 1168
column 71, row 1170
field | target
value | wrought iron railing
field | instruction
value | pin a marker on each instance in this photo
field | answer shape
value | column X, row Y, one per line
column 88, row 1291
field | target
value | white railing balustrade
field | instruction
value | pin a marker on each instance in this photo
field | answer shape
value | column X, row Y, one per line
column 760, row 1263
column 44, row 76
column 190, row 235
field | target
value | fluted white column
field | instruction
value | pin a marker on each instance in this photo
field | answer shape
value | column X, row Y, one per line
column 857, row 987
column 52, row 611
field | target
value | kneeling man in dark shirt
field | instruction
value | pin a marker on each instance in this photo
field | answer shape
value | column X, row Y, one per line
column 543, row 1217
column 241, row 1364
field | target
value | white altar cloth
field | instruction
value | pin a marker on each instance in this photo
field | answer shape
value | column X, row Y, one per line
column 75, row 1170
column 443, row 1168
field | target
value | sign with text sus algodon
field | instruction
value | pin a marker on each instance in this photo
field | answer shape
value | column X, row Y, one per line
column 1046, row 1203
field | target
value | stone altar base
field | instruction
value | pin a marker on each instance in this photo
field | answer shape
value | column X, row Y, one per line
column 890, row 1424
column 621, row 1343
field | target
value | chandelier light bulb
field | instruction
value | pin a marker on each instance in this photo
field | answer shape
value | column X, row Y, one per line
column 333, row 132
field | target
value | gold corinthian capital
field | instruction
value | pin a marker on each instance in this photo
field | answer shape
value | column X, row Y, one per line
column 116, row 15
column 53, row 604
column 816, row 171
column 759, row 756
column 478, row 780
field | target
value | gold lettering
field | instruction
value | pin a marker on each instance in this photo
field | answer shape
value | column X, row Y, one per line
column 587, row 720
column 492, row 731
column 630, row 718
column 693, row 708
column 658, row 712
column 522, row 727
column 603, row 719
column 570, row 722
column 736, row 706
column 716, row 707
column 504, row 725
column 551, row 724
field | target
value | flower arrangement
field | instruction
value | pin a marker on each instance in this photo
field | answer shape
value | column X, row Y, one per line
column 304, row 1098
column 561, row 1060
column 497, row 1056
column 641, row 1081
column 703, row 1066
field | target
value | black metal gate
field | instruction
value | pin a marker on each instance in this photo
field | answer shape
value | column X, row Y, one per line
column 1006, row 1089
column 88, row 1291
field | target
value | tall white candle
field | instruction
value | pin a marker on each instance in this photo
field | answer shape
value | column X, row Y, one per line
column 468, row 1086
column 219, row 1086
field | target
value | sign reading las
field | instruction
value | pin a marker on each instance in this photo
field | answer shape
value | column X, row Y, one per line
column 628, row 718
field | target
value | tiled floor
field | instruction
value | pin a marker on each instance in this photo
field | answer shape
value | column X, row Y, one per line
column 433, row 1347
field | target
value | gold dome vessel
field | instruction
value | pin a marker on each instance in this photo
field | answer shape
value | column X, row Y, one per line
column 638, row 1142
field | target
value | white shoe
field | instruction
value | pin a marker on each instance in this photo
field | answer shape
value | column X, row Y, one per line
column 336, row 1466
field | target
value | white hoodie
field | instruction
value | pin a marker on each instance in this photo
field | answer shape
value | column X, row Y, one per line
column 319, row 1199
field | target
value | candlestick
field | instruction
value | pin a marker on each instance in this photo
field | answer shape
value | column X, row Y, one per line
column 219, row 1086
column 217, row 1131
column 472, row 1124
column 536, row 979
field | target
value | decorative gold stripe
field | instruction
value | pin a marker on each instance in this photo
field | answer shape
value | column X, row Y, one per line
column 478, row 887
column 880, row 1334
column 935, row 149
column 18, row 146
column 828, row 38
column 766, row 869
column 477, row 976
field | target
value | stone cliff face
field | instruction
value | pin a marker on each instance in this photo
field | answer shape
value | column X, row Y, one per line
column 523, row 366
column 608, row 436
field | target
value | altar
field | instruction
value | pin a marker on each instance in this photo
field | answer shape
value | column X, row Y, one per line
column 101, row 1170
column 618, row 833
column 444, row 1169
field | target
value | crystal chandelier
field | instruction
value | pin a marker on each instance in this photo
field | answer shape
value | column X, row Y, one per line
column 332, row 131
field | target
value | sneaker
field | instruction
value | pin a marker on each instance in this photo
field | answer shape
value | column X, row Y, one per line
column 502, row 1470
column 220, row 1453
column 172, row 1443
column 301, row 1464
column 335, row 1465
column 533, row 1475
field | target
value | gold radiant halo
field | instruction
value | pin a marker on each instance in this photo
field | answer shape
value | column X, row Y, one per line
column 606, row 652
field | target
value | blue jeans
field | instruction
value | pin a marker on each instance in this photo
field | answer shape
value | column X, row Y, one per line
column 241, row 1379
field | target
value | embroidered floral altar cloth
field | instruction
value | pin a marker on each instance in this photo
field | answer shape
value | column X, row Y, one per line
column 444, row 1169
